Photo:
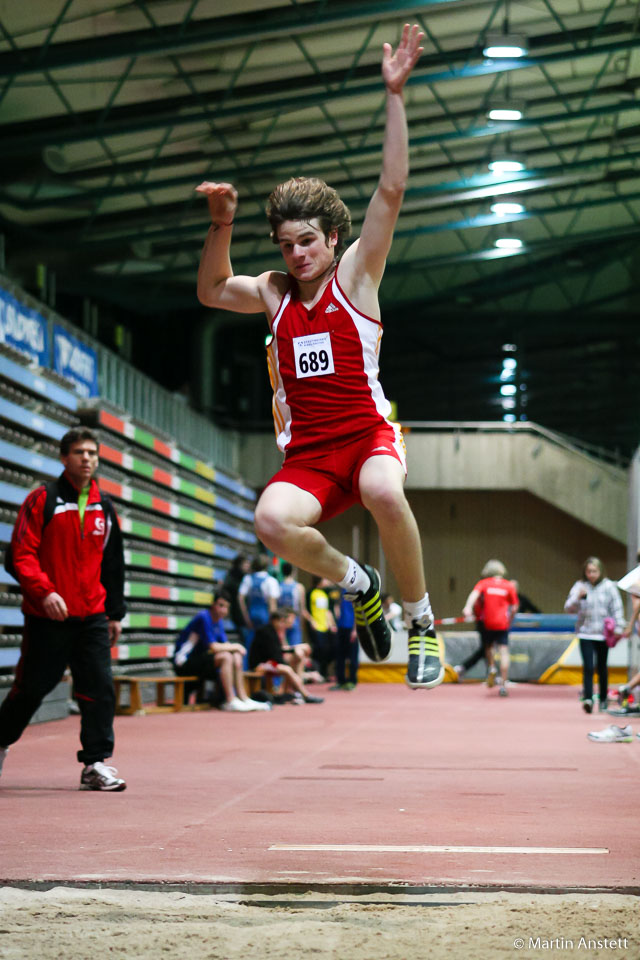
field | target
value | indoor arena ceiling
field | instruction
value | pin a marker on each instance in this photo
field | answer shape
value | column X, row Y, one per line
column 111, row 111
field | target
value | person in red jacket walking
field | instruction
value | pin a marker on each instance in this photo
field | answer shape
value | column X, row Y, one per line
column 494, row 603
column 67, row 554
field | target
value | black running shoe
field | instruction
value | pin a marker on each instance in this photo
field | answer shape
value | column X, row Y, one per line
column 373, row 630
column 424, row 669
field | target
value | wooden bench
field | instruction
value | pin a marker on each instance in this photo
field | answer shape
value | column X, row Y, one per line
column 162, row 704
column 253, row 681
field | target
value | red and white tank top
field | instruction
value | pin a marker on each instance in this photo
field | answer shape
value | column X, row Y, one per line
column 323, row 366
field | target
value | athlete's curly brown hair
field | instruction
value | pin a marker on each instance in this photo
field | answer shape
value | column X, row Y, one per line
column 304, row 198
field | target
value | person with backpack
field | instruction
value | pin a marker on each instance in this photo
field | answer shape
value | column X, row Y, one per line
column 258, row 597
column 292, row 596
column 494, row 603
column 66, row 553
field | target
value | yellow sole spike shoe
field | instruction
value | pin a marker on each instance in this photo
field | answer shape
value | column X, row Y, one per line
column 424, row 669
column 373, row 630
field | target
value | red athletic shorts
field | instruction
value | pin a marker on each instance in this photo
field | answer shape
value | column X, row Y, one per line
column 332, row 474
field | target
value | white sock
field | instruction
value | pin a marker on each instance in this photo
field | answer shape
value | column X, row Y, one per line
column 355, row 579
column 417, row 611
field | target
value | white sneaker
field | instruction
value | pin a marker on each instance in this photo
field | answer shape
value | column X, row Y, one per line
column 612, row 734
column 258, row 704
column 98, row 776
column 459, row 671
column 235, row 706
column 3, row 752
column 254, row 705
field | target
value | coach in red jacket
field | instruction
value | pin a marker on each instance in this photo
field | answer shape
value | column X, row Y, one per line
column 67, row 553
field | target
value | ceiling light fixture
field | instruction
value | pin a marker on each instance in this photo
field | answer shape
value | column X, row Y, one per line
column 506, row 163
column 505, row 46
column 508, row 243
column 503, row 208
column 505, row 110
column 55, row 159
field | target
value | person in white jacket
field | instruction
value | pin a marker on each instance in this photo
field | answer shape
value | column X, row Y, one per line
column 630, row 583
column 594, row 598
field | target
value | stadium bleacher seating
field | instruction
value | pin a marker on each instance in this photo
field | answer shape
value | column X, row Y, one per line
column 182, row 519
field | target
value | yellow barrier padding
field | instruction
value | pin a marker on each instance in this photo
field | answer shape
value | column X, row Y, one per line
column 560, row 673
column 381, row 673
column 571, row 674
column 549, row 674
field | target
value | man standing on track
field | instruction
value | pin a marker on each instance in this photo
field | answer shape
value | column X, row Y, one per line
column 330, row 413
column 67, row 555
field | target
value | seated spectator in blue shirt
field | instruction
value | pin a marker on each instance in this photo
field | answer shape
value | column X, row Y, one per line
column 202, row 650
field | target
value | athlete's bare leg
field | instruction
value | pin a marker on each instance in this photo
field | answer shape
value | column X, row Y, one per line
column 297, row 658
column 224, row 663
column 382, row 491
column 504, row 663
column 238, row 676
column 381, row 485
column 284, row 520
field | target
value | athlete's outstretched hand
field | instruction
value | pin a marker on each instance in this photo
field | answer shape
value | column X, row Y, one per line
column 397, row 66
column 222, row 199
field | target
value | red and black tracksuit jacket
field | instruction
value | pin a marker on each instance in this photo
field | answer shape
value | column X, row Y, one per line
column 85, row 565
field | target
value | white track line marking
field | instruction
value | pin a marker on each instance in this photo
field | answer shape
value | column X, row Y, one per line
column 423, row 848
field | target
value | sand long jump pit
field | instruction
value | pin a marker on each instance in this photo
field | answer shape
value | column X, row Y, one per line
column 401, row 924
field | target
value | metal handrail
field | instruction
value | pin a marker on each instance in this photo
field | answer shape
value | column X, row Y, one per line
column 572, row 444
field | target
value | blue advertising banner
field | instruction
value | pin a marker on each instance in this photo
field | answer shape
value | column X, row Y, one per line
column 23, row 328
column 75, row 361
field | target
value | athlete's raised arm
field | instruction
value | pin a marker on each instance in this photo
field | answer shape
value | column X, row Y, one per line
column 368, row 254
column 217, row 285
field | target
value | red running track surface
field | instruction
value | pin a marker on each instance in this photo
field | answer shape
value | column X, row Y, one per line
column 229, row 798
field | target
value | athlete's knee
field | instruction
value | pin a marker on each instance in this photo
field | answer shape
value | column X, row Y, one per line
column 384, row 499
column 273, row 524
column 270, row 526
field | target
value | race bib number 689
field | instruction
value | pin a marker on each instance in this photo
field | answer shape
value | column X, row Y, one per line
column 313, row 355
